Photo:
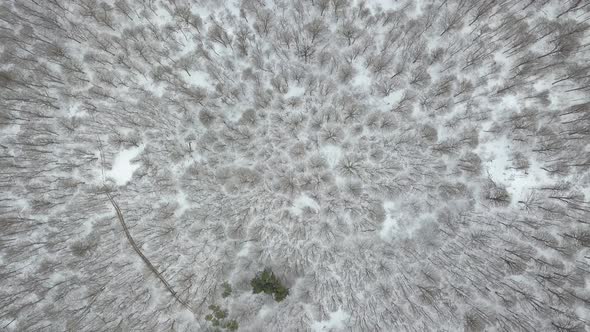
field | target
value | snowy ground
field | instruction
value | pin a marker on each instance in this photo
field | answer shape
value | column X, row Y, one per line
column 399, row 165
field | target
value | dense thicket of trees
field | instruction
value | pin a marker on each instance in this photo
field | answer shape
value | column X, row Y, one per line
column 419, row 167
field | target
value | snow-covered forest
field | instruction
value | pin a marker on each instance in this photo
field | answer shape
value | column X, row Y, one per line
column 399, row 165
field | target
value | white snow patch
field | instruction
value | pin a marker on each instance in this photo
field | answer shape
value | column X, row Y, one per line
column 332, row 153
column 391, row 100
column 123, row 169
column 495, row 154
column 362, row 79
column 295, row 91
column 302, row 202
column 199, row 78
column 265, row 310
column 390, row 225
column 244, row 251
column 498, row 164
column 398, row 226
column 183, row 204
column 337, row 321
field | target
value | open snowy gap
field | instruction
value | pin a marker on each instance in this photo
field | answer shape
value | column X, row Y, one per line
column 302, row 202
column 498, row 165
column 123, row 169
column 336, row 322
column 389, row 225
column 332, row 154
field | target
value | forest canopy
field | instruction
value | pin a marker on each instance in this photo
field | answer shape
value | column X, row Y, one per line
column 273, row 165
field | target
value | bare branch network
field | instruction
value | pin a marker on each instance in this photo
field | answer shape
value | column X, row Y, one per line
column 308, row 165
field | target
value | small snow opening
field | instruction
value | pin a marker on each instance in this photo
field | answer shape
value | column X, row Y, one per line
column 302, row 202
column 390, row 225
column 498, row 165
column 337, row 321
column 183, row 203
column 123, row 169
column 200, row 79
column 295, row 91
column 332, row 154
